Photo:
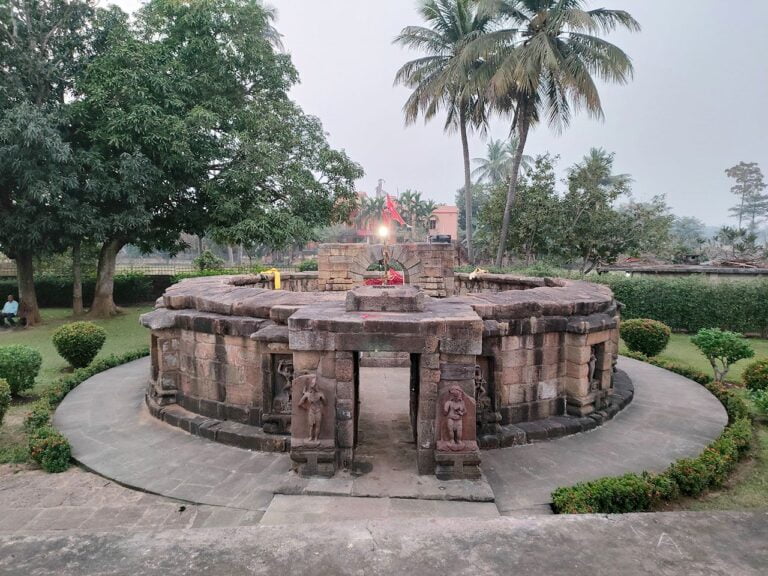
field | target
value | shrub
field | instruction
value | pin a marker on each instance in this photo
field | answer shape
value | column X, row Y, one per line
column 208, row 261
column 50, row 449
column 39, row 416
column 614, row 495
column 760, row 400
column 690, row 373
column 79, row 342
column 308, row 265
column 722, row 349
column 647, row 336
column 19, row 366
column 5, row 398
column 755, row 376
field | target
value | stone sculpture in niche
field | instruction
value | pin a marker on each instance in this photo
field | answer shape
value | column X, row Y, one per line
column 593, row 383
column 282, row 402
column 454, row 410
column 313, row 401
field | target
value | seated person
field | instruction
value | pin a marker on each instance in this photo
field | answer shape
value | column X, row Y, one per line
column 10, row 311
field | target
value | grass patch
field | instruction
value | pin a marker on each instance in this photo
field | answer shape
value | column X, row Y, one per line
column 124, row 333
column 680, row 350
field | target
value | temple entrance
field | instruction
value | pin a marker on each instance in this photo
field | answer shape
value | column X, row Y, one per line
column 385, row 425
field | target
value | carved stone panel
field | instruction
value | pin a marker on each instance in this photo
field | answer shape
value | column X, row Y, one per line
column 456, row 421
column 282, row 383
column 313, row 421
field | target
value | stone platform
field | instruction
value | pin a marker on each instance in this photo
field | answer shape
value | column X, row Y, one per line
column 112, row 434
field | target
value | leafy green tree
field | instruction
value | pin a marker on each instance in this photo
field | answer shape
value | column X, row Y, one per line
column 648, row 226
column 687, row 236
column 534, row 224
column 592, row 230
column 188, row 127
column 43, row 44
column 749, row 186
column 736, row 243
column 443, row 79
column 722, row 349
column 543, row 61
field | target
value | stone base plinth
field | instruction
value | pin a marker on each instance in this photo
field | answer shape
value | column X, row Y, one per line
column 463, row 465
column 313, row 457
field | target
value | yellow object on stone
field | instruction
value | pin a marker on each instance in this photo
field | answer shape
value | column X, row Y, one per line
column 276, row 275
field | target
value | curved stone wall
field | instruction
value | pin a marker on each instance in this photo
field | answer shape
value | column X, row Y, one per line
column 227, row 353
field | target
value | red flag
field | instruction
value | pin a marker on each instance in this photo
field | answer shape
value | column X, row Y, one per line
column 392, row 209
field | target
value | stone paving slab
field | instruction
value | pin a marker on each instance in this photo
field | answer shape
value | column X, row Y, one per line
column 670, row 417
column 679, row 544
column 112, row 434
column 324, row 509
column 33, row 502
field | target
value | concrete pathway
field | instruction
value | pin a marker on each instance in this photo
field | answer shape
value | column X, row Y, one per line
column 112, row 434
column 680, row 544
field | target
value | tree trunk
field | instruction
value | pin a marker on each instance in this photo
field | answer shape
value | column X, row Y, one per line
column 77, row 281
column 523, row 125
column 199, row 245
column 467, row 184
column 103, row 298
column 230, row 255
column 25, row 271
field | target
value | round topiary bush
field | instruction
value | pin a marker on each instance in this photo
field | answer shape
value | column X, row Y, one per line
column 755, row 376
column 50, row 449
column 5, row 398
column 79, row 342
column 646, row 336
column 19, row 366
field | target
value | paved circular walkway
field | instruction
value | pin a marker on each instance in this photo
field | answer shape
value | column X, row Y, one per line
column 112, row 434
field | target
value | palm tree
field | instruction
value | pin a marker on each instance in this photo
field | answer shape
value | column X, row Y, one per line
column 410, row 201
column 443, row 79
column 543, row 60
column 425, row 210
column 496, row 167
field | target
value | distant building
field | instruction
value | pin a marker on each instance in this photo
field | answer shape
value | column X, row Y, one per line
column 444, row 220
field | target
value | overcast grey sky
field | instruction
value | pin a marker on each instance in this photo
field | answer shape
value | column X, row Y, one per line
column 698, row 103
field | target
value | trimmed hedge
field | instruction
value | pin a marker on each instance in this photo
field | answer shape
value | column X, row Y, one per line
column 56, row 291
column 5, row 398
column 46, row 446
column 688, row 476
column 689, row 304
column 646, row 336
column 19, row 366
column 79, row 342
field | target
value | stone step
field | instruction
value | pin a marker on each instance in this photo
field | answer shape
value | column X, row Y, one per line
column 325, row 509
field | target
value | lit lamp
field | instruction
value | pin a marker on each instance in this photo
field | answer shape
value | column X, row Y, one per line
column 384, row 234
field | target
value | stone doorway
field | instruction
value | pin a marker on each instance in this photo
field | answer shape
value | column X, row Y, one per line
column 386, row 401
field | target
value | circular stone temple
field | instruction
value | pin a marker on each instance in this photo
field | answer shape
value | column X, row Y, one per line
column 503, row 361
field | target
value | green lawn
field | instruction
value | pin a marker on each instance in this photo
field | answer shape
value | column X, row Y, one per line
column 124, row 333
column 681, row 350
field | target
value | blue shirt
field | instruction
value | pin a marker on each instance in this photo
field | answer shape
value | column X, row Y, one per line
column 11, row 308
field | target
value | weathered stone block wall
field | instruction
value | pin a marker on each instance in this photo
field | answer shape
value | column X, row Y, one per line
column 341, row 267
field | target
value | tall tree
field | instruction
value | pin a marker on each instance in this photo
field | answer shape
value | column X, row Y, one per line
column 443, row 79
column 496, row 167
column 749, row 186
column 187, row 118
column 593, row 231
column 543, row 60
column 43, row 44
